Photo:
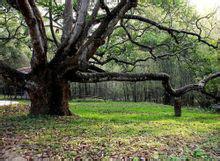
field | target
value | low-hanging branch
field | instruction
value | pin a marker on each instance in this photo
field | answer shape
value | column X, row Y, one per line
column 11, row 76
column 163, row 77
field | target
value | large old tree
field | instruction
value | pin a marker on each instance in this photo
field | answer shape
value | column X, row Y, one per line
column 85, row 29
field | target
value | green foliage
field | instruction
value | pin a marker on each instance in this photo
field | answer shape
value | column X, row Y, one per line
column 14, row 56
column 198, row 153
column 57, row 8
column 14, row 43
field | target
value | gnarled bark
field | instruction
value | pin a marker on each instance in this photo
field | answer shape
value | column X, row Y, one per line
column 49, row 95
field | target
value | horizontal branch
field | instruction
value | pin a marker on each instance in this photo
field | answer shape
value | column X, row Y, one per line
column 163, row 77
column 11, row 76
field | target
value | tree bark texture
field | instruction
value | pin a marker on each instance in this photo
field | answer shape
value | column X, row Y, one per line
column 177, row 107
column 49, row 96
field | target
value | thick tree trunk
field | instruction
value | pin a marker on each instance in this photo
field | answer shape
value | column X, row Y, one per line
column 50, row 97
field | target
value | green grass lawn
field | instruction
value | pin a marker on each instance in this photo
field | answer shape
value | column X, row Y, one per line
column 113, row 129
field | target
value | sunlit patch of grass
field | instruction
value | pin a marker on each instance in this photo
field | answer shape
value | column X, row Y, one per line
column 108, row 129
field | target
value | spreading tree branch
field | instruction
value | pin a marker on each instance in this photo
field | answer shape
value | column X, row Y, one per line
column 171, row 31
column 35, row 24
column 106, row 27
column 163, row 77
column 79, row 25
column 68, row 46
column 11, row 76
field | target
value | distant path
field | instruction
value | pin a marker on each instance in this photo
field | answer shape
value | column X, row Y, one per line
column 6, row 102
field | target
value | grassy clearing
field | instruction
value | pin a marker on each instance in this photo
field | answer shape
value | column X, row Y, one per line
column 113, row 129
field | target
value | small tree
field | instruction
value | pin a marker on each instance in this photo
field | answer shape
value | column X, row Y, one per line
column 83, row 34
